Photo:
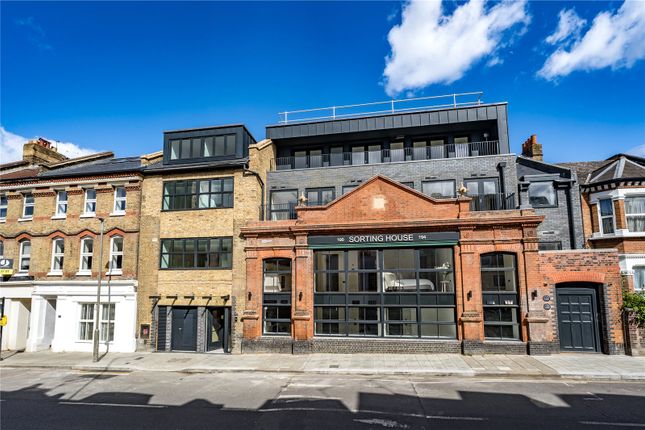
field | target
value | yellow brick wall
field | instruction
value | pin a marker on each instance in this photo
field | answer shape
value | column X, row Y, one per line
column 42, row 228
column 157, row 224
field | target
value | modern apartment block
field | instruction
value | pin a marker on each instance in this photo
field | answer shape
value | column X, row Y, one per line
column 192, row 269
column 51, row 212
column 402, row 231
column 613, row 208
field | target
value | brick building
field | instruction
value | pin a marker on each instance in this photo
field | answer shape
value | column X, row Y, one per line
column 192, row 270
column 386, row 268
column 421, row 231
column 613, row 209
column 50, row 221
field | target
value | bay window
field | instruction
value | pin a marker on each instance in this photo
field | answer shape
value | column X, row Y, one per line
column 635, row 213
column 606, row 212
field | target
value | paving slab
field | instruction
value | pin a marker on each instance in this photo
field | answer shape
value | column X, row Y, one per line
column 577, row 366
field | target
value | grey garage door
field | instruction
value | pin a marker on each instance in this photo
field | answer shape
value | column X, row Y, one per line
column 578, row 319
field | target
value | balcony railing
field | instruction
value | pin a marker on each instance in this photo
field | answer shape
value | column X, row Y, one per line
column 357, row 158
column 485, row 202
column 492, row 202
column 384, row 107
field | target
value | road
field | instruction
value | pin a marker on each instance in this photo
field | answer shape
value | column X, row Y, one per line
column 61, row 399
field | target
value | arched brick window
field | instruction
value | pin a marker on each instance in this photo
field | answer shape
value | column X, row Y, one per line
column 277, row 296
column 500, row 297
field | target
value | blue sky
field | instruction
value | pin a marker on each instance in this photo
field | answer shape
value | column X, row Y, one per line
column 113, row 76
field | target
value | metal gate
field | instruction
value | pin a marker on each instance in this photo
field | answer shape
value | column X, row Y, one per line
column 578, row 321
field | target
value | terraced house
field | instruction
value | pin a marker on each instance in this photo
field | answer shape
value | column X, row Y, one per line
column 613, row 208
column 192, row 275
column 53, row 212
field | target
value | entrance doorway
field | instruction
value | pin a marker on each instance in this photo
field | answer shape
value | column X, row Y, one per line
column 184, row 329
column 218, row 329
column 578, row 321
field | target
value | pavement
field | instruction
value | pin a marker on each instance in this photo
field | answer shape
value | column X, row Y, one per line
column 571, row 366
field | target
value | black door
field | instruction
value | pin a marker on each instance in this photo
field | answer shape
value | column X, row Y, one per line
column 184, row 329
column 578, row 319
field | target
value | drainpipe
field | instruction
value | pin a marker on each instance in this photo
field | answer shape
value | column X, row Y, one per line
column 249, row 172
column 502, row 186
column 572, row 226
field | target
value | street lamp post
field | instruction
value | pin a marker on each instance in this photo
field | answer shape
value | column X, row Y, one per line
column 97, row 307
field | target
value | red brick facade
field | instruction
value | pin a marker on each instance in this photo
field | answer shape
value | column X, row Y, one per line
column 384, row 206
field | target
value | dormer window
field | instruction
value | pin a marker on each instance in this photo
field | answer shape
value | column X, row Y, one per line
column 204, row 145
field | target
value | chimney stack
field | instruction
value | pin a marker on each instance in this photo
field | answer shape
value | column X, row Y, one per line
column 532, row 149
column 40, row 151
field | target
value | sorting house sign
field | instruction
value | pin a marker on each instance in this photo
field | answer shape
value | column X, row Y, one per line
column 384, row 240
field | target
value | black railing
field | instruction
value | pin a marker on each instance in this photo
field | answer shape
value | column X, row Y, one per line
column 356, row 158
column 484, row 202
column 492, row 202
column 284, row 211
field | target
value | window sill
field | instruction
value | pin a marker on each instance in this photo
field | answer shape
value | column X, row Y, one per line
column 84, row 273
column 117, row 214
column 59, row 217
column 25, row 219
column 3, row 220
column 21, row 274
column 56, row 273
column 114, row 273
column 88, row 215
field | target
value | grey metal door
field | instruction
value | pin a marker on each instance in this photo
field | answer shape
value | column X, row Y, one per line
column 578, row 319
column 184, row 329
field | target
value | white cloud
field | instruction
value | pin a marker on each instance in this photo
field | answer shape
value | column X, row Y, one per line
column 569, row 25
column 429, row 47
column 11, row 147
column 639, row 150
column 614, row 40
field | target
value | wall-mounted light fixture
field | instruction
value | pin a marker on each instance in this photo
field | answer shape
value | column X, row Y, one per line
column 534, row 294
column 300, row 296
column 249, row 295
column 469, row 295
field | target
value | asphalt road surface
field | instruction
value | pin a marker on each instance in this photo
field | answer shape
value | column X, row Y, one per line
column 57, row 399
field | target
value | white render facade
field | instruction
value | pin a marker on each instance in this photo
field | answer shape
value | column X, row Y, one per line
column 58, row 316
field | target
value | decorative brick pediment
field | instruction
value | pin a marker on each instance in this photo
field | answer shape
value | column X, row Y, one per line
column 382, row 200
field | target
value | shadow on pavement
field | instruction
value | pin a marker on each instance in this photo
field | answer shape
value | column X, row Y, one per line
column 33, row 407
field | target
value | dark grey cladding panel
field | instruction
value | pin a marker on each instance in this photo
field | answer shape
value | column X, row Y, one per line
column 397, row 120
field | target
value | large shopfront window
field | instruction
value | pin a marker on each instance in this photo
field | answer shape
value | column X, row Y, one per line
column 397, row 292
column 277, row 296
column 499, row 292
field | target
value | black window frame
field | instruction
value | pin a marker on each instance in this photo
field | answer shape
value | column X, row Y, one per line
column 194, row 197
column 289, row 209
column 277, row 301
column 195, row 252
column 454, row 188
column 498, row 300
column 555, row 193
column 318, row 191
column 345, row 302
